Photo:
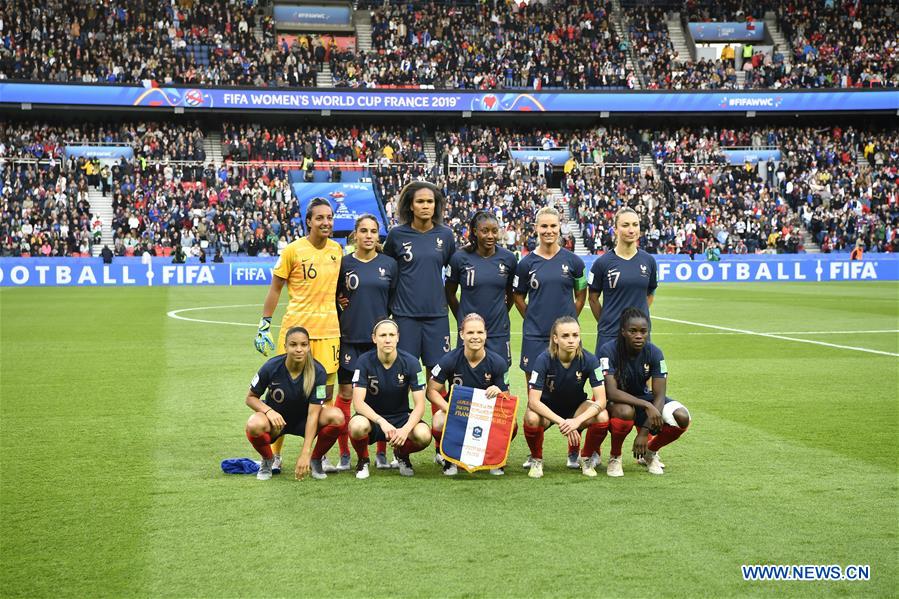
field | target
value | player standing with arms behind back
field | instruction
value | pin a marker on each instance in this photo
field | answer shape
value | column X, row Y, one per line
column 367, row 281
column 422, row 246
column 485, row 273
column 310, row 266
column 624, row 277
column 549, row 283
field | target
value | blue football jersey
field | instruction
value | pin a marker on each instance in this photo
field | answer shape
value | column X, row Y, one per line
column 368, row 286
column 484, row 282
column 420, row 258
column 388, row 388
column 454, row 367
column 623, row 284
column 633, row 376
column 562, row 385
column 283, row 393
column 550, row 286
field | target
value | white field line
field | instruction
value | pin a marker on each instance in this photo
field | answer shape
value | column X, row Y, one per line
column 777, row 336
column 176, row 314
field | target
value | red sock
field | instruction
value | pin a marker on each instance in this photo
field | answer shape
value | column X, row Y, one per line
column 573, row 448
column 596, row 434
column 534, row 436
column 408, row 447
column 620, row 430
column 361, row 446
column 668, row 435
column 381, row 447
column 434, row 408
column 437, row 434
column 343, row 439
column 262, row 444
column 327, row 435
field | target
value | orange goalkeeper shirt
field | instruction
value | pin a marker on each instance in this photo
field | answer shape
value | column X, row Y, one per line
column 311, row 276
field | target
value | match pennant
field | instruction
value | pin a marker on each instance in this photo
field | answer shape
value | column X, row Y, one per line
column 478, row 430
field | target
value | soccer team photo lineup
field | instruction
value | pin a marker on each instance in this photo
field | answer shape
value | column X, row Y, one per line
column 465, row 298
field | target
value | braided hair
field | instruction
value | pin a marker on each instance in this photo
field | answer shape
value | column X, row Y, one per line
column 622, row 359
column 481, row 216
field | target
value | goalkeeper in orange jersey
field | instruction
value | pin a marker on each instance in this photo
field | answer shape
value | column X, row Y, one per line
column 310, row 267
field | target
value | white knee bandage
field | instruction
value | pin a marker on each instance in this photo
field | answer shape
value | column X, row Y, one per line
column 668, row 412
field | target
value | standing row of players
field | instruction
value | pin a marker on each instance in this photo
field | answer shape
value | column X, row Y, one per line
column 415, row 278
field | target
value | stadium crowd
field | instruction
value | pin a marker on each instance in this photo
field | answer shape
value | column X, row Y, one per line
column 568, row 45
column 839, row 184
column 559, row 45
column 45, row 211
column 355, row 143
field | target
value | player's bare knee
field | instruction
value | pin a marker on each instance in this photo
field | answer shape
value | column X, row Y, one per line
column 622, row 411
column 331, row 415
column 603, row 417
column 438, row 420
column 532, row 419
column 258, row 424
column 682, row 417
column 421, row 435
column 359, row 427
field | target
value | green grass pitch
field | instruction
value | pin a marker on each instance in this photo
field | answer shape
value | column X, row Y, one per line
column 115, row 417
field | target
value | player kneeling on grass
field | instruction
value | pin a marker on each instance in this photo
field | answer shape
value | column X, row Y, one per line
column 294, row 388
column 381, row 384
column 472, row 365
column 628, row 363
column 556, row 396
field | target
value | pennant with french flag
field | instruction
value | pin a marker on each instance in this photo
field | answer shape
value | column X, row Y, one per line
column 478, row 430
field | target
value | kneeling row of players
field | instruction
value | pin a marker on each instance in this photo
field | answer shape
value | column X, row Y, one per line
column 630, row 372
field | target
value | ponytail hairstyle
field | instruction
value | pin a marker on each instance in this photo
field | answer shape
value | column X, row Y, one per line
column 554, row 347
column 472, row 316
column 352, row 237
column 404, row 215
column 622, row 359
column 621, row 212
column 314, row 203
column 481, row 216
column 309, row 365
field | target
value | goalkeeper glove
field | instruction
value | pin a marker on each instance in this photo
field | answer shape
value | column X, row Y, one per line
column 264, row 336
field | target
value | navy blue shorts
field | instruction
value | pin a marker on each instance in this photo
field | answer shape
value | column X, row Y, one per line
column 531, row 347
column 349, row 353
column 424, row 338
column 564, row 408
column 297, row 428
column 498, row 345
column 640, row 413
column 397, row 420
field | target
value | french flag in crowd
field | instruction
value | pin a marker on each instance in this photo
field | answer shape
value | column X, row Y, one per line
column 478, row 430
